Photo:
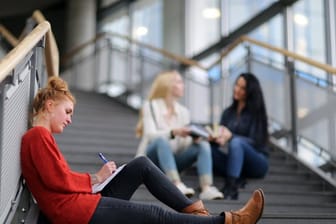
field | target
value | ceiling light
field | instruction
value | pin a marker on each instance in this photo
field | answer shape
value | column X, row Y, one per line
column 141, row 31
column 115, row 89
column 211, row 13
column 134, row 101
column 300, row 19
column 302, row 112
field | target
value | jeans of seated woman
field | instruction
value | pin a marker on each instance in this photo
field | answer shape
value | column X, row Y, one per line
column 159, row 151
column 242, row 160
column 115, row 207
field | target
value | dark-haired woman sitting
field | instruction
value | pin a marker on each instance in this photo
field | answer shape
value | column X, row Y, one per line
column 244, row 131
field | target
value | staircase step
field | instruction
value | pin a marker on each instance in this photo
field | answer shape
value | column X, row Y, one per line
column 293, row 193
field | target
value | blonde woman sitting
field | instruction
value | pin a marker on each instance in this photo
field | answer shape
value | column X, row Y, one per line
column 166, row 138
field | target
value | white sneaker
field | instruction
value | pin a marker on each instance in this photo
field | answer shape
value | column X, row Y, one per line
column 211, row 193
column 187, row 191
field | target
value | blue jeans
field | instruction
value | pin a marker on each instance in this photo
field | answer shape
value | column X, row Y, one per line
column 242, row 160
column 160, row 152
column 115, row 207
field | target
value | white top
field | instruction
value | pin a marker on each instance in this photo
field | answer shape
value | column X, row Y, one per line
column 163, row 126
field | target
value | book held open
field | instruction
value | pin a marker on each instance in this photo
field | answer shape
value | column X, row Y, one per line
column 198, row 131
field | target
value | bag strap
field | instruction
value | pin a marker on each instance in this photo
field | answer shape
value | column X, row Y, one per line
column 153, row 114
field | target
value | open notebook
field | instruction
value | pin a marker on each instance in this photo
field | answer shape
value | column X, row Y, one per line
column 99, row 187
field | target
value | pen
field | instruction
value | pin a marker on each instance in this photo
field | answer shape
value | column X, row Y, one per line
column 102, row 157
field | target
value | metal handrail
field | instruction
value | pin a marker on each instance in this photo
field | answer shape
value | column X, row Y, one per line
column 8, row 63
column 189, row 62
column 178, row 58
column 289, row 54
column 8, row 36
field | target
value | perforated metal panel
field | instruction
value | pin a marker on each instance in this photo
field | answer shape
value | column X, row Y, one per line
column 14, row 124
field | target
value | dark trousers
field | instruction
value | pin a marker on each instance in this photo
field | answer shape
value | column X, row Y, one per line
column 115, row 207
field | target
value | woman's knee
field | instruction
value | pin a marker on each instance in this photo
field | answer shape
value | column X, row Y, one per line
column 141, row 161
column 156, row 146
column 236, row 147
column 236, row 142
column 161, row 143
column 204, row 147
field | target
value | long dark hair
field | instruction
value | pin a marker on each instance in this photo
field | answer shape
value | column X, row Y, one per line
column 255, row 105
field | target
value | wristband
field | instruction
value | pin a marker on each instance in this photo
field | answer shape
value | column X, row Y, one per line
column 172, row 136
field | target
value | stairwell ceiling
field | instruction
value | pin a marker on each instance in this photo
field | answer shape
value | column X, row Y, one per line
column 18, row 7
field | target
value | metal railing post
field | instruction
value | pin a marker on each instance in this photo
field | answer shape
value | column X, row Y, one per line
column 109, row 61
column 128, row 68
column 211, row 100
column 329, row 8
column 293, row 104
column 248, row 58
column 142, row 74
column 96, row 65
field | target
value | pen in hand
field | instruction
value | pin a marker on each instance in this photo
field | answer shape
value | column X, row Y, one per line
column 103, row 157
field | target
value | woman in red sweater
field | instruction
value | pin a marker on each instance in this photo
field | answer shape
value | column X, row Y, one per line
column 65, row 196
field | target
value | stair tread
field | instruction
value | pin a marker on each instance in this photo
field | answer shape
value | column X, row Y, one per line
column 293, row 194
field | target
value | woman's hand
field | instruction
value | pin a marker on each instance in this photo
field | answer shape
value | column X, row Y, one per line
column 182, row 132
column 197, row 139
column 225, row 136
column 106, row 171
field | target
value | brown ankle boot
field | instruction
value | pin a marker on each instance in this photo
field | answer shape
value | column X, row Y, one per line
column 250, row 213
column 196, row 208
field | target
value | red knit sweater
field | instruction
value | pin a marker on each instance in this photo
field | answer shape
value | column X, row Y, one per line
column 64, row 196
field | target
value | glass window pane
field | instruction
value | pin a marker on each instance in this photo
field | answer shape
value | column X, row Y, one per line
column 118, row 24
column 272, row 34
column 147, row 23
column 309, row 33
column 240, row 11
column 202, row 24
